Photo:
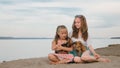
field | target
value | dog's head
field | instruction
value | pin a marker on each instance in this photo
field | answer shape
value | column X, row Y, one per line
column 78, row 46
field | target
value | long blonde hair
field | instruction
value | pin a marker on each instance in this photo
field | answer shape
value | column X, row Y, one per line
column 57, row 36
column 84, row 28
column 57, row 30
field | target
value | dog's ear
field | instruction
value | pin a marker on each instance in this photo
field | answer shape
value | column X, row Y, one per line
column 79, row 41
column 83, row 48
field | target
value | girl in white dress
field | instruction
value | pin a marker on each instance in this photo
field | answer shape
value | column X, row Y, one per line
column 80, row 33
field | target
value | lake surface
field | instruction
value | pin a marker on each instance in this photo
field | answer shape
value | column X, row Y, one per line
column 34, row 48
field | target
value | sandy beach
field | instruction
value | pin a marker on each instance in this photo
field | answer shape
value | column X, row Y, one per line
column 112, row 52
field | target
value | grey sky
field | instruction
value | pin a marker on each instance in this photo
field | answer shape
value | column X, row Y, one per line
column 39, row 18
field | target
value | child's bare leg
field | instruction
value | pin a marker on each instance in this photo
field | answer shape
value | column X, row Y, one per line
column 64, row 61
column 53, row 59
column 89, row 59
column 103, row 60
column 86, row 57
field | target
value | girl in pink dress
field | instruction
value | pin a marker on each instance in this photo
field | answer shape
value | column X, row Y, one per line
column 62, row 45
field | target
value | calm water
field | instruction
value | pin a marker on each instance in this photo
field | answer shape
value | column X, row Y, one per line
column 31, row 48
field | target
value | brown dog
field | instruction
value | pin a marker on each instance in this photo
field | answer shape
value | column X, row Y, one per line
column 79, row 48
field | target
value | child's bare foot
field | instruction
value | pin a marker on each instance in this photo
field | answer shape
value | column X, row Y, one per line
column 104, row 60
column 53, row 62
column 59, row 62
column 62, row 61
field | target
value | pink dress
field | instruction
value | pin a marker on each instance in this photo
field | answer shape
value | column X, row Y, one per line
column 64, row 54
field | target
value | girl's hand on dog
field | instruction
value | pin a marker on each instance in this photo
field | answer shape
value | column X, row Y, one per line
column 59, row 42
column 58, row 47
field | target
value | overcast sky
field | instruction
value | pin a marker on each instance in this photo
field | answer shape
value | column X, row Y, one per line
column 39, row 18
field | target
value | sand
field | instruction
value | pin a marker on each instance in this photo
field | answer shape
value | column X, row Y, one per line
column 112, row 52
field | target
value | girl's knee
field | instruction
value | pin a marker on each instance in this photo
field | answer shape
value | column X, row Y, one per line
column 88, row 58
column 51, row 56
column 85, row 58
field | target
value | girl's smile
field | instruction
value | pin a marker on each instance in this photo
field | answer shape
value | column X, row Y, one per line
column 77, row 23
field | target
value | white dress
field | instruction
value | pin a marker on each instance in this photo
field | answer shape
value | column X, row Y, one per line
column 85, row 43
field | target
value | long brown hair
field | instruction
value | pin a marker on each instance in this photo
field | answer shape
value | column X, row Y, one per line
column 84, row 28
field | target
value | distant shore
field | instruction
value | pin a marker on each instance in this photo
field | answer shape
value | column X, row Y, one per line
column 115, row 38
column 49, row 38
column 112, row 52
column 24, row 38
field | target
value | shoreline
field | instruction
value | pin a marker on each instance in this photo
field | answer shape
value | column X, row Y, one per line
column 112, row 52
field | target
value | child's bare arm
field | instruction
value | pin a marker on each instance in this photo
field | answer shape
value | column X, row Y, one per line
column 93, row 51
column 54, row 47
column 67, row 48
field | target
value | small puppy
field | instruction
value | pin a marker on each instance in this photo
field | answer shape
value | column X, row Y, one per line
column 79, row 48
